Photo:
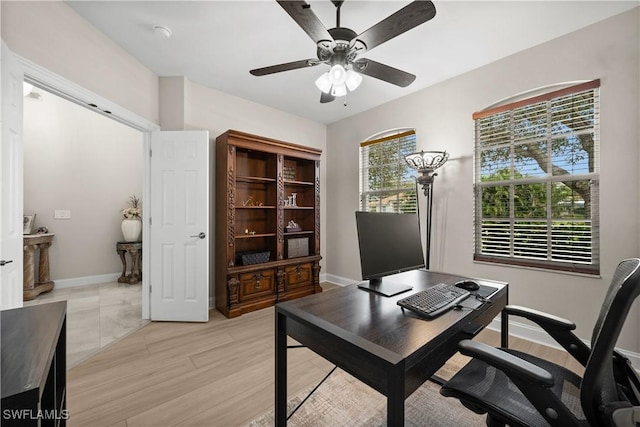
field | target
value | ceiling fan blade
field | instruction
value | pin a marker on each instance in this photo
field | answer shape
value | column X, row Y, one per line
column 301, row 12
column 410, row 16
column 383, row 72
column 326, row 97
column 285, row 67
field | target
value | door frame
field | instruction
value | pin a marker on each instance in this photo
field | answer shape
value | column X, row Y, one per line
column 58, row 85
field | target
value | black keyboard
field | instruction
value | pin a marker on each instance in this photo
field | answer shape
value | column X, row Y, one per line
column 434, row 301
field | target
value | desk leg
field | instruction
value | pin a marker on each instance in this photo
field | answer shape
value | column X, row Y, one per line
column 395, row 396
column 281, row 371
column 504, row 330
column 504, row 326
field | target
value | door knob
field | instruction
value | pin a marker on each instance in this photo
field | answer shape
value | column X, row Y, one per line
column 3, row 262
column 200, row 235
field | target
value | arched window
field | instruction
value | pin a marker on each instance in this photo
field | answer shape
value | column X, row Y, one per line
column 387, row 183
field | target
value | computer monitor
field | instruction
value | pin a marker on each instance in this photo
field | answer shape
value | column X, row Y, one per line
column 389, row 243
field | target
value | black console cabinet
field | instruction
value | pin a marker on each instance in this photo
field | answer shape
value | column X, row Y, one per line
column 33, row 347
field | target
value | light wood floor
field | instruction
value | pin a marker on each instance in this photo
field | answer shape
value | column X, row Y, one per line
column 218, row 373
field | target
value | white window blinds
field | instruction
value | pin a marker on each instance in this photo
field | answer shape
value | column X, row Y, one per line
column 387, row 183
column 536, row 181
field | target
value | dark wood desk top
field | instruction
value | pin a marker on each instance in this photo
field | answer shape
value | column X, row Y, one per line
column 378, row 325
column 29, row 335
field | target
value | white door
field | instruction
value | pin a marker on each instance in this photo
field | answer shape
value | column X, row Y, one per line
column 179, row 228
column 11, row 181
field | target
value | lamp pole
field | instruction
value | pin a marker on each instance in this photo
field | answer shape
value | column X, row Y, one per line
column 426, row 162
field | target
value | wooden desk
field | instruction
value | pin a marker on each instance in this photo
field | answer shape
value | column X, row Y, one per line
column 134, row 249
column 31, row 287
column 371, row 338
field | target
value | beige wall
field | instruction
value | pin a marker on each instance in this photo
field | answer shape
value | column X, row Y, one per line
column 442, row 117
column 54, row 36
column 78, row 160
column 216, row 111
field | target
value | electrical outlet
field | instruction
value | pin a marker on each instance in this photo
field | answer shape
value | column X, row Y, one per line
column 61, row 214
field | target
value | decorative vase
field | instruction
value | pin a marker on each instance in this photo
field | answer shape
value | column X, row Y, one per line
column 131, row 229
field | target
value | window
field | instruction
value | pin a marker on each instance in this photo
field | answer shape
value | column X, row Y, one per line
column 536, row 181
column 387, row 183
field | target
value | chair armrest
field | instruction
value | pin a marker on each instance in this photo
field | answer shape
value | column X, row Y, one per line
column 558, row 328
column 540, row 317
column 511, row 365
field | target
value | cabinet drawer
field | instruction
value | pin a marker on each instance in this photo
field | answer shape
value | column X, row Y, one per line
column 256, row 284
column 298, row 275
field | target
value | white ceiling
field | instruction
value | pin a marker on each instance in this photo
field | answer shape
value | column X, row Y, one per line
column 216, row 43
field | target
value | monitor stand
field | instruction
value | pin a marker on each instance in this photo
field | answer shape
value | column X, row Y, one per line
column 386, row 288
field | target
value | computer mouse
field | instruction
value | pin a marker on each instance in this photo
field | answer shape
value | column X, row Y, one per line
column 468, row 285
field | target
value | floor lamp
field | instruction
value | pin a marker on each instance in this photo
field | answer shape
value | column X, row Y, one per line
column 426, row 162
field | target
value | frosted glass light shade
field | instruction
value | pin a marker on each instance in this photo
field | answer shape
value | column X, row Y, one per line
column 353, row 80
column 337, row 74
column 339, row 90
column 323, row 83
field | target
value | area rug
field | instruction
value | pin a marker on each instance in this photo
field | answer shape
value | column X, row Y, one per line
column 343, row 400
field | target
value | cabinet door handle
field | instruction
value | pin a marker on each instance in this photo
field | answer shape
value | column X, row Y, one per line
column 257, row 278
column 200, row 235
column 3, row 262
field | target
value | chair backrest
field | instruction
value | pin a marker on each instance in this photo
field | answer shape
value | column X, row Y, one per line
column 599, row 388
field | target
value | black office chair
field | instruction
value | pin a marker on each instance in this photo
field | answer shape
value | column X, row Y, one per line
column 519, row 389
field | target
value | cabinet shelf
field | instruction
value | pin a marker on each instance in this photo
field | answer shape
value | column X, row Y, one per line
column 301, row 183
column 298, row 233
column 265, row 175
column 255, row 236
column 255, row 179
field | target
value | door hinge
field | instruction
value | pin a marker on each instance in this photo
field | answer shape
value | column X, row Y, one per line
column 150, row 288
column 150, row 153
column 150, row 221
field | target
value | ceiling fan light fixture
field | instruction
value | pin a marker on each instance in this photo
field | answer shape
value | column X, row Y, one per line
column 323, row 83
column 339, row 90
column 353, row 80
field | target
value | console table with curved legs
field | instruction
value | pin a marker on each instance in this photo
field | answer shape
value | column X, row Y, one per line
column 134, row 249
column 31, row 287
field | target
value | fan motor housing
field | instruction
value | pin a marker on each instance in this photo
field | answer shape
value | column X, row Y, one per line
column 341, row 52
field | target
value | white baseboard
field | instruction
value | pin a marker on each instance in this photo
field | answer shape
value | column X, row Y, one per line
column 87, row 280
column 337, row 280
column 520, row 330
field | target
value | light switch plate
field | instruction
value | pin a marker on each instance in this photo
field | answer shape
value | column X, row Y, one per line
column 61, row 214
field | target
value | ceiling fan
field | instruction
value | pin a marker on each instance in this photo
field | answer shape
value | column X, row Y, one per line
column 341, row 48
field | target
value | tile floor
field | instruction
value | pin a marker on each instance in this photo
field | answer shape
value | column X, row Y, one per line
column 97, row 315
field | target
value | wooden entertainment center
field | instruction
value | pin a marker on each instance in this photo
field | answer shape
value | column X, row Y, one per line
column 267, row 222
